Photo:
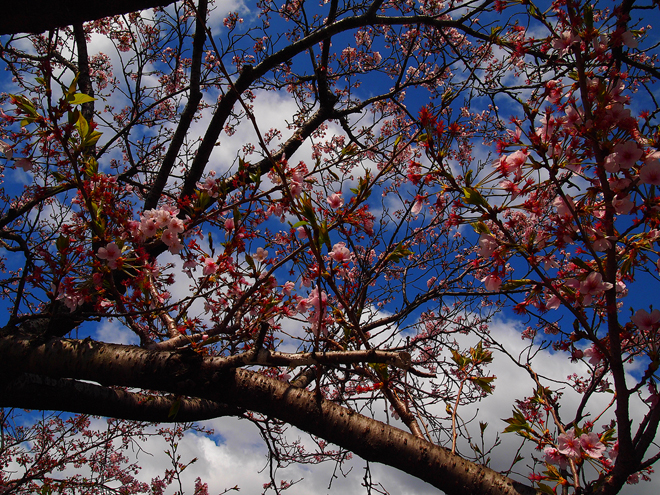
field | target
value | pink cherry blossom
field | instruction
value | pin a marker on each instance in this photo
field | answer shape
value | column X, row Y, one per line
column 553, row 302
column 645, row 321
column 24, row 163
column 623, row 205
column 148, row 227
column 594, row 355
column 568, row 445
column 564, row 43
column 487, row 245
column 417, row 205
column 229, row 224
column 562, row 206
column 210, row 266
column 340, row 252
column 552, row 456
column 614, row 451
column 624, row 155
column 650, row 173
column 629, row 40
column 591, row 445
column 169, row 237
column 302, row 233
column 288, row 288
column 176, row 225
column 592, row 286
column 260, row 255
column 6, row 150
column 110, row 252
column 335, row 200
column 492, row 283
column 318, row 303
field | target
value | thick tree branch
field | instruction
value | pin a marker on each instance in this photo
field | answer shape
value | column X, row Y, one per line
column 171, row 372
column 31, row 391
column 37, row 16
column 188, row 113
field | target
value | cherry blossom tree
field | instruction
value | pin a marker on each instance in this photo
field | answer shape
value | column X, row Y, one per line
column 440, row 163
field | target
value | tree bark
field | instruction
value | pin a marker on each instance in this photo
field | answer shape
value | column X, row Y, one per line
column 186, row 373
column 37, row 16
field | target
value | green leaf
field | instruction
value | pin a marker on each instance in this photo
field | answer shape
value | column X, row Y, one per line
column 483, row 382
column 302, row 223
column 608, row 436
column 481, row 355
column 79, row 99
column 516, row 284
column 83, row 126
column 92, row 138
column 350, row 150
column 468, row 176
column 588, row 17
column 473, row 197
column 72, row 86
column 480, row 228
column 381, row 370
column 460, row 359
column 250, row 261
column 517, row 423
column 92, row 167
column 62, row 242
column 400, row 251
column 324, row 237
column 546, row 489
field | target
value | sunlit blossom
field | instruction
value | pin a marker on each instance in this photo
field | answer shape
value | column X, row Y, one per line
column 552, row 456
column 628, row 39
column 492, row 283
column 568, row 445
column 417, row 205
column 487, row 245
column 591, row 445
column 210, row 266
column 169, row 237
column 594, row 355
column 335, row 201
column 340, row 252
column 260, row 255
column 564, row 206
column 553, row 302
column 288, row 287
column 624, row 155
column 564, row 42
